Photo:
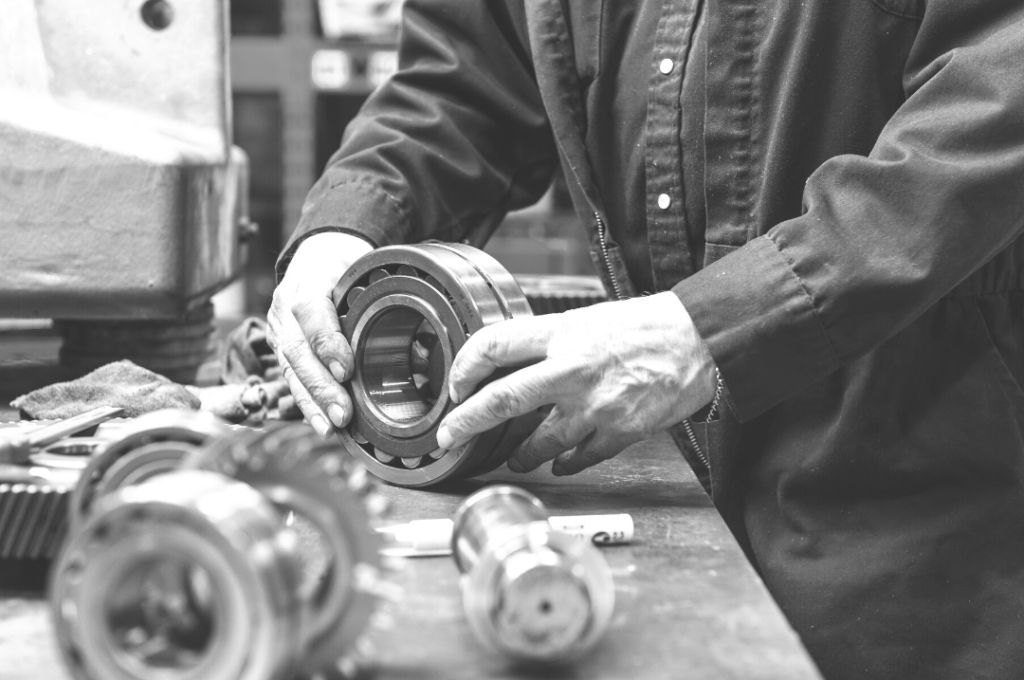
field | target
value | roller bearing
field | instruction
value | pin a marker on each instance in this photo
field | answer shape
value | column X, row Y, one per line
column 184, row 577
column 406, row 311
column 152, row 444
column 330, row 501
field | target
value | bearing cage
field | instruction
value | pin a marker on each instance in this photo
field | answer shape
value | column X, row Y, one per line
column 454, row 285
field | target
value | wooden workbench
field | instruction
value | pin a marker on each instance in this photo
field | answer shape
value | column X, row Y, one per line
column 688, row 603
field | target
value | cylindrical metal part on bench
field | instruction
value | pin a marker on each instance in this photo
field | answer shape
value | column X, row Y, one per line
column 185, row 577
column 325, row 496
column 406, row 311
column 530, row 592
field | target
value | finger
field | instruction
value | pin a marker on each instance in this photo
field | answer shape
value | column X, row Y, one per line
column 318, row 320
column 591, row 451
column 555, row 435
column 514, row 395
column 310, row 411
column 508, row 343
column 318, row 383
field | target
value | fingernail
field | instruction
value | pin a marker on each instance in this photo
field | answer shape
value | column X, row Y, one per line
column 444, row 437
column 515, row 465
column 337, row 370
column 558, row 471
column 453, row 394
column 321, row 426
column 336, row 414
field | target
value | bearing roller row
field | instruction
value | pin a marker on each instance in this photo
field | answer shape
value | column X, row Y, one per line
column 252, row 558
column 406, row 311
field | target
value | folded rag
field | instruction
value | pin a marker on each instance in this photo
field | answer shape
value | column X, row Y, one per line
column 253, row 388
column 135, row 389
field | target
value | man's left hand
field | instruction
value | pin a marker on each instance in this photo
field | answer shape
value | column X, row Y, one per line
column 615, row 373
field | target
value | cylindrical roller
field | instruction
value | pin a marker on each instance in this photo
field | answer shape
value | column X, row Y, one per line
column 529, row 592
column 406, row 311
column 152, row 444
column 186, row 577
column 320, row 491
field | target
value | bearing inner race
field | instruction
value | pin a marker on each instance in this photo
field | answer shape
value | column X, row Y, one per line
column 402, row 365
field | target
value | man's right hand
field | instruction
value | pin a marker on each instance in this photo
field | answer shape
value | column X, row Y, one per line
column 304, row 332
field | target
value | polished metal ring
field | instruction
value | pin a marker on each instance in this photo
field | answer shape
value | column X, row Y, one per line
column 152, row 444
column 324, row 495
column 406, row 311
column 187, row 576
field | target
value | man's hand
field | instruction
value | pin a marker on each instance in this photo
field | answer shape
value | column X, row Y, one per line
column 616, row 373
column 304, row 331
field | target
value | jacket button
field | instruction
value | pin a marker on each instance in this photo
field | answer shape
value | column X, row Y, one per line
column 664, row 201
column 665, row 66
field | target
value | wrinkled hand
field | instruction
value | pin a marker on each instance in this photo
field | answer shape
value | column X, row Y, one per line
column 616, row 373
column 304, row 331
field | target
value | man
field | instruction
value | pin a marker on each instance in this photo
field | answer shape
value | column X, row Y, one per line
column 808, row 214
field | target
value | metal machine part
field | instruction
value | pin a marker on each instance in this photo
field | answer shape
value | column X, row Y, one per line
column 330, row 501
column 33, row 515
column 550, row 294
column 174, row 349
column 187, row 576
column 123, row 197
column 529, row 592
column 406, row 311
column 152, row 444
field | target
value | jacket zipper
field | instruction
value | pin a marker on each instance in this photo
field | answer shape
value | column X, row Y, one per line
column 606, row 261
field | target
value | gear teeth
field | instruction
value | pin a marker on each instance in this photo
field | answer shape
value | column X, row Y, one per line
column 347, row 667
column 333, row 466
column 378, row 274
column 358, row 479
column 382, row 457
column 353, row 295
column 412, row 462
column 377, row 505
column 382, row 620
column 406, row 270
column 438, row 454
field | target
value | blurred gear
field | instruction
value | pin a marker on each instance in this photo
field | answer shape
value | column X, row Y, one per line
column 550, row 294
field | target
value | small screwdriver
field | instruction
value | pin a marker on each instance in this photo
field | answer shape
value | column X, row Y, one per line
column 16, row 449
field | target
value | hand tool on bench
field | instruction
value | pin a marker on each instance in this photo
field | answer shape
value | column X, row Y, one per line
column 16, row 448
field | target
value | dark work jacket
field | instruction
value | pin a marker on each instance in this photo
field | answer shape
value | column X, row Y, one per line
column 862, row 283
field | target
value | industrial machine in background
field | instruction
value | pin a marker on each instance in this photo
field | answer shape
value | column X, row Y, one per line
column 123, row 204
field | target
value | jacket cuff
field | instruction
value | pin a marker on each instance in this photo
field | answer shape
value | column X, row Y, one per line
column 759, row 322
column 355, row 207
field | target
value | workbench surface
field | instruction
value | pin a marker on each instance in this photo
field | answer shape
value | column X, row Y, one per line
column 688, row 604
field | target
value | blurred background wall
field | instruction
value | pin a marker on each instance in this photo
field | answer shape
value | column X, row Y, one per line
column 300, row 71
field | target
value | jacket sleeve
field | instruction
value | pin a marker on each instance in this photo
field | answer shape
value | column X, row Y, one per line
column 450, row 143
column 883, row 237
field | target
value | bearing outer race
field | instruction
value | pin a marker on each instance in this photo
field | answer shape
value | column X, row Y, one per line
column 138, row 465
column 515, row 305
column 190, row 427
column 286, row 463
